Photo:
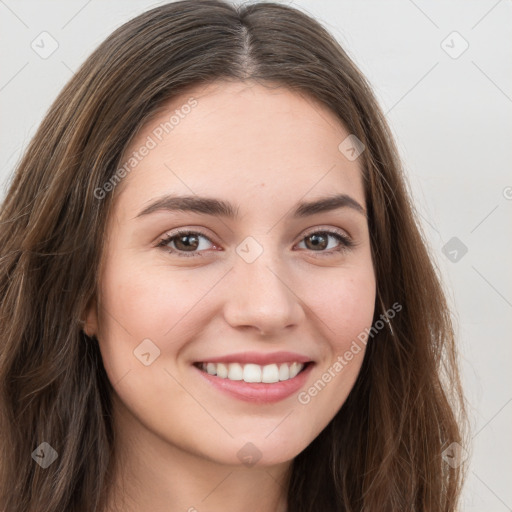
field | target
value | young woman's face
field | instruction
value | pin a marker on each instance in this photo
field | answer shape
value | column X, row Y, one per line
column 258, row 294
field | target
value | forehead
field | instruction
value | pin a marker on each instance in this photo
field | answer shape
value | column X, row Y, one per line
column 244, row 142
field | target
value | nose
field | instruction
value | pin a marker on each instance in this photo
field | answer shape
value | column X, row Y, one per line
column 260, row 297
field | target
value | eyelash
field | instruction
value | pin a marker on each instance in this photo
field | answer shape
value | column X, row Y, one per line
column 345, row 242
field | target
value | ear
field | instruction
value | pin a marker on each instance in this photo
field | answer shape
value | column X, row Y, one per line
column 90, row 325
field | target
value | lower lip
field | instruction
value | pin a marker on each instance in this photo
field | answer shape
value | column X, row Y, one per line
column 259, row 392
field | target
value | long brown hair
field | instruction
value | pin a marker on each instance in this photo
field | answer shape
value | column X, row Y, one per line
column 383, row 450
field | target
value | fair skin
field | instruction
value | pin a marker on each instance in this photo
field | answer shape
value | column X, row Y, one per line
column 264, row 150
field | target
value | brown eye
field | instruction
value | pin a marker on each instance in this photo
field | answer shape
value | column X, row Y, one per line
column 319, row 242
column 184, row 242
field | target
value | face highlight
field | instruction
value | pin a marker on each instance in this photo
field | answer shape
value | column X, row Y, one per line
column 237, row 269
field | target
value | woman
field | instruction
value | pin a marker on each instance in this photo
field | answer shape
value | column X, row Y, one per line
column 215, row 292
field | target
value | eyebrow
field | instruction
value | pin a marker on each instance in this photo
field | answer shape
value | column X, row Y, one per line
column 221, row 208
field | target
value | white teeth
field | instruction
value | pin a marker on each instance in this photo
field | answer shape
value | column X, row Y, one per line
column 222, row 371
column 295, row 368
column 250, row 372
column 235, row 371
column 284, row 372
column 270, row 373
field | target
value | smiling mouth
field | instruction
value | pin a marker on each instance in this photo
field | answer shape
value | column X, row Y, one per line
column 254, row 373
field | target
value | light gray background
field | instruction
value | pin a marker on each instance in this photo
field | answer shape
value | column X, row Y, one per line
column 453, row 123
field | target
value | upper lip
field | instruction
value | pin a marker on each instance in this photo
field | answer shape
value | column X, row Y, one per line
column 259, row 358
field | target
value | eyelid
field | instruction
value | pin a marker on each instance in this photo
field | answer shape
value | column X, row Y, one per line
column 326, row 229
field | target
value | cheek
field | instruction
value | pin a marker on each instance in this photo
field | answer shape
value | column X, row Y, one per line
column 142, row 302
column 344, row 307
column 354, row 309
column 150, row 301
column 344, row 303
